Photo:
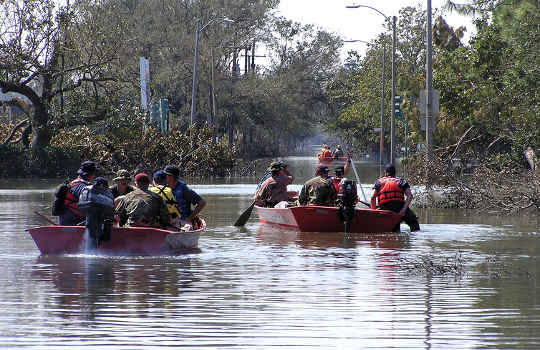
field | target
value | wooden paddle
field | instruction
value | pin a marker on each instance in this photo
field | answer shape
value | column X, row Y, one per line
column 359, row 183
column 245, row 216
column 365, row 203
column 45, row 218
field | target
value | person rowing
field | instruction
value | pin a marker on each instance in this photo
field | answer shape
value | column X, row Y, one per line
column 274, row 189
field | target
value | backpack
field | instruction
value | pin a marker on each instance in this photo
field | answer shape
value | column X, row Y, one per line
column 58, row 206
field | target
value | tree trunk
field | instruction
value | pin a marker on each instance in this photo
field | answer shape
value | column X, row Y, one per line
column 40, row 117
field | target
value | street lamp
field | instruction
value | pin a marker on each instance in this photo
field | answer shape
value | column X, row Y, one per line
column 381, row 142
column 394, row 19
column 198, row 31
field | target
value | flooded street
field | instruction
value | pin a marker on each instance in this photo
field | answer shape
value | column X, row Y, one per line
column 464, row 281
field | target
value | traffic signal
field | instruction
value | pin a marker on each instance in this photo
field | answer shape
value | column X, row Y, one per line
column 397, row 106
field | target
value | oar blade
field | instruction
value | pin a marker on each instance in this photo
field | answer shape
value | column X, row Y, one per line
column 241, row 221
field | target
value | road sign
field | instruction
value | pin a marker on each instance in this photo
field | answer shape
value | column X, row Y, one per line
column 144, row 66
column 432, row 123
column 422, row 103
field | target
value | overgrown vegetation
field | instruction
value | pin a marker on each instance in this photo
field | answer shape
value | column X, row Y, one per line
column 127, row 144
column 496, row 185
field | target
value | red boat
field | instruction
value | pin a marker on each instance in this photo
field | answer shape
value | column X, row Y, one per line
column 124, row 240
column 326, row 219
column 332, row 161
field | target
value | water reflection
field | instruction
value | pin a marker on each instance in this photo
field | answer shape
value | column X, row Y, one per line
column 322, row 240
column 88, row 285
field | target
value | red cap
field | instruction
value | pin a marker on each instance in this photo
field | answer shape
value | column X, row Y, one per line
column 142, row 177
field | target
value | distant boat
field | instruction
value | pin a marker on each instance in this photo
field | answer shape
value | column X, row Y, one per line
column 124, row 240
column 332, row 161
column 326, row 219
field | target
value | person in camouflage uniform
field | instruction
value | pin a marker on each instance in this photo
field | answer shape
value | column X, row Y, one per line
column 319, row 190
column 274, row 189
column 143, row 207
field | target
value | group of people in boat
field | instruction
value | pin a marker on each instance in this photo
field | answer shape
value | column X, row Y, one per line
column 162, row 201
column 326, row 152
column 321, row 190
column 389, row 192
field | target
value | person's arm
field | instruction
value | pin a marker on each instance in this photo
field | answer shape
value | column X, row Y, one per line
column 287, row 173
column 120, row 215
column 76, row 190
column 408, row 200
column 198, row 207
column 347, row 166
column 259, row 195
column 302, row 198
column 333, row 192
column 374, row 199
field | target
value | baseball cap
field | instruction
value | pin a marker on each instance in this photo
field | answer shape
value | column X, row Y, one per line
column 87, row 167
column 142, row 177
column 172, row 170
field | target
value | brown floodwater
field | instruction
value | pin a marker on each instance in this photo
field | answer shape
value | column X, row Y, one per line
column 465, row 281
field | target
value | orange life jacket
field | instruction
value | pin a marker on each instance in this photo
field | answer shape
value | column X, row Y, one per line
column 390, row 190
column 336, row 182
column 71, row 201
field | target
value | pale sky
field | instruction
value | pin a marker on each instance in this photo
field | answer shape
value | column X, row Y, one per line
column 361, row 23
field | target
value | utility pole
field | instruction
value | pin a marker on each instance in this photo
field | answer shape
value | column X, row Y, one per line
column 429, row 93
column 381, row 147
column 393, row 121
column 195, row 74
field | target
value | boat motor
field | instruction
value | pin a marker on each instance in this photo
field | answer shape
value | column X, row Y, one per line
column 347, row 198
column 97, row 203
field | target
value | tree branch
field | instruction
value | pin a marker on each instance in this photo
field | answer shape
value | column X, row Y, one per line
column 13, row 131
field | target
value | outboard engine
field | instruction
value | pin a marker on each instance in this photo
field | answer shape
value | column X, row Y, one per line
column 98, row 205
column 347, row 198
column 94, row 198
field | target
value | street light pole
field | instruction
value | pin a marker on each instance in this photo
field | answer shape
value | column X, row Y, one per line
column 381, row 137
column 394, row 19
column 198, row 31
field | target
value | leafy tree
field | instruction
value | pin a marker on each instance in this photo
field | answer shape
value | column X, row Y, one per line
column 489, row 90
column 45, row 57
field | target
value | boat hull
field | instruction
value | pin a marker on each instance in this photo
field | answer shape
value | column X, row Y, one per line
column 340, row 161
column 124, row 240
column 326, row 219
